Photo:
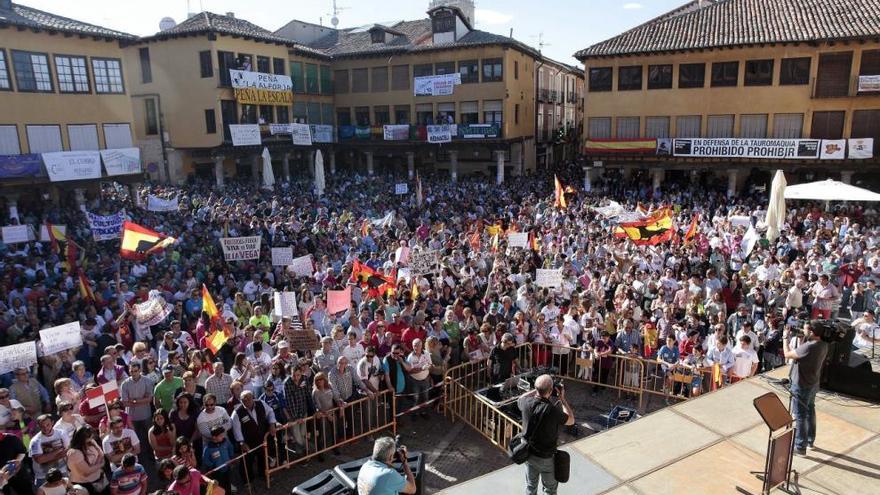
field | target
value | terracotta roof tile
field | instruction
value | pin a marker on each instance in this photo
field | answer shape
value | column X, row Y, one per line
column 24, row 16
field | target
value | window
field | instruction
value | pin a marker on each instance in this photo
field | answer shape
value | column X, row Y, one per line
column 470, row 71
column 83, row 137
column 9, row 144
column 424, row 113
column 379, row 81
column 870, row 65
column 298, row 77
column 827, row 125
column 327, row 114
column 44, row 138
column 381, row 115
column 493, row 70
column 443, row 22
column 866, row 124
column 516, row 113
column 267, row 116
column 225, row 62
column 314, row 109
column 146, row 69
column 399, row 77
column 492, row 112
column 312, row 87
column 362, row 116
column 263, row 64
column 152, row 117
column 725, row 74
column 628, row 127
column 688, row 126
column 657, row 127
column 601, row 79
column 117, row 136
column 283, row 114
column 753, row 126
column 278, row 66
column 691, row 75
column 326, row 80
column 4, row 74
column 759, row 72
column 599, row 128
column 300, row 112
column 422, row 70
column 73, row 74
column 32, row 71
column 228, row 112
column 360, row 82
column 211, row 121
column 108, row 75
column 441, row 68
column 516, row 69
column 401, row 114
column 343, row 116
column 377, row 36
column 249, row 115
column 446, row 112
column 795, row 71
column 660, row 76
column 205, row 67
column 470, row 112
column 832, row 78
column 788, row 125
column 720, row 126
column 629, row 78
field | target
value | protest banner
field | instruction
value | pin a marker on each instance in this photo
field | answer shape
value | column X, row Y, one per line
column 261, row 88
column 518, row 239
column 285, row 304
column 321, row 133
column 301, row 134
column 833, row 149
column 106, row 227
column 13, row 234
column 123, row 161
column 861, row 148
column 548, row 278
column 282, row 256
column 155, row 203
column 395, row 132
column 72, row 165
column 338, row 300
column 302, row 266
column 304, row 340
column 439, row 85
column 44, row 232
column 245, row 134
column 61, row 338
column 402, row 188
column 23, row 355
column 153, row 311
column 740, row 221
column 241, row 248
column 424, row 262
column 279, row 129
column 439, row 134
column 787, row 149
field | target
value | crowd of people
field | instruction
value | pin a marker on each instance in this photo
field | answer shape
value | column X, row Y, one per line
column 186, row 411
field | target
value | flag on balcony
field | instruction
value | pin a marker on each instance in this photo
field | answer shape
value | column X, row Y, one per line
column 559, row 193
column 139, row 242
column 656, row 229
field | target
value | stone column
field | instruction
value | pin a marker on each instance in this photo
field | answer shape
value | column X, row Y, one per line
column 219, row 175
column 731, row 183
column 656, row 178
column 588, row 179
column 410, row 164
column 846, row 176
column 285, row 166
column 332, row 155
column 453, row 165
column 79, row 196
column 255, row 169
column 499, row 176
column 369, row 155
column 12, row 204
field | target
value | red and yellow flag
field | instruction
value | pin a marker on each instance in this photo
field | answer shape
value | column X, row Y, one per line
column 692, row 230
column 139, row 242
column 654, row 230
column 85, row 290
column 221, row 333
column 559, row 193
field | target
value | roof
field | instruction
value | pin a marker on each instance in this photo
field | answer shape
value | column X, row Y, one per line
column 24, row 16
column 720, row 23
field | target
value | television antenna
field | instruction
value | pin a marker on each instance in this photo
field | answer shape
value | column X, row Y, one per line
column 334, row 20
column 541, row 42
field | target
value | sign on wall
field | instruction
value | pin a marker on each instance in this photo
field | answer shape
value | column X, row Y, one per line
column 301, row 134
column 861, row 148
column 439, row 134
column 72, row 165
column 260, row 88
column 441, row 85
column 245, row 134
column 122, row 161
column 780, row 149
column 395, row 132
column 869, row 83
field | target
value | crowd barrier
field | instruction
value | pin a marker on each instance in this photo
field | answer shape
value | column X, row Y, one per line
column 236, row 461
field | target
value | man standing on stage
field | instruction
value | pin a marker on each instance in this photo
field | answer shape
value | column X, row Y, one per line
column 808, row 358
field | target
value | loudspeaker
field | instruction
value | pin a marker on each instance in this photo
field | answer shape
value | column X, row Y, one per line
column 858, row 381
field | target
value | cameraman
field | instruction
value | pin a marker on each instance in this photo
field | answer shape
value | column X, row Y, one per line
column 544, row 438
column 807, row 359
column 378, row 476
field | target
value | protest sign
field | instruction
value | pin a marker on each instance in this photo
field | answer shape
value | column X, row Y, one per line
column 301, row 134
column 155, row 203
column 338, row 300
column 241, row 248
column 861, row 148
column 122, row 161
column 44, row 232
column 439, row 85
column 153, row 311
column 518, row 239
column 548, row 278
column 302, row 266
column 424, row 262
column 402, row 188
column 245, row 134
column 106, row 227
column 285, row 304
column 439, row 134
column 13, row 234
column 304, row 340
column 395, row 132
column 61, row 338
column 740, row 221
column 279, row 129
column 321, row 133
column 22, row 355
column 747, row 148
column 282, row 256
column 261, row 88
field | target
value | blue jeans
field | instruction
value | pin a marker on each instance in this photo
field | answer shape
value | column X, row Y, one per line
column 803, row 408
column 543, row 467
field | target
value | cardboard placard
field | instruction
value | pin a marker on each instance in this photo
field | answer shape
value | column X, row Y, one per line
column 302, row 266
column 18, row 355
column 282, row 256
column 338, row 300
column 285, row 304
column 61, row 338
column 241, row 248
column 424, row 262
column 548, row 278
column 518, row 239
column 304, row 340
column 402, row 188
column 14, row 234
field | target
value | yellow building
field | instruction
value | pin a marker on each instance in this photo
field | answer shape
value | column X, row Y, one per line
column 560, row 112
column 710, row 71
column 63, row 88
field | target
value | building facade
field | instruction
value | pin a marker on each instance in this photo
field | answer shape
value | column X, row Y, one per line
column 733, row 69
column 560, row 116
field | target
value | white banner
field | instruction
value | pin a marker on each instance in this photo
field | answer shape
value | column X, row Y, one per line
column 322, row 133
column 402, row 188
column 282, row 256
column 301, row 134
column 869, row 83
column 106, row 227
column 44, row 232
column 155, row 203
column 14, row 234
column 243, row 79
column 548, row 278
column 783, row 149
column 285, row 304
column 518, row 239
column 22, row 355
column 439, row 134
column 442, row 85
column 395, row 132
column 153, row 311
column 241, row 248
column 861, row 148
column 302, row 266
column 61, row 338
column 279, row 129
column 424, row 262
column 72, row 165
column 833, row 149
column 122, row 161
column 245, row 134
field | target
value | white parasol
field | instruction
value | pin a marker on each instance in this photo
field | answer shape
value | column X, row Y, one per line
column 776, row 209
column 830, row 190
column 319, row 174
column 268, row 176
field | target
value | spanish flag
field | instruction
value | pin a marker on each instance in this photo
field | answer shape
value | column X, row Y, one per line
column 208, row 305
column 559, row 192
column 493, row 230
column 692, row 230
column 139, row 242
column 85, row 290
column 55, row 236
column 220, row 335
column 475, row 240
column 654, row 230
column 365, row 228
column 533, row 241
column 415, row 290
column 495, row 243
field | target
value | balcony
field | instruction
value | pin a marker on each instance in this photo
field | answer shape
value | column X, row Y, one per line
column 417, row 133
column 543, row 94
column 554, row 95
column 854, row 86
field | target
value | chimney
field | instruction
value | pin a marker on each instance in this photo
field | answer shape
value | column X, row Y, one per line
column 230, row 14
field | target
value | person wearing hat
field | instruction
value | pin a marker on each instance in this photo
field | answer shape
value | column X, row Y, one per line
column 163, row 392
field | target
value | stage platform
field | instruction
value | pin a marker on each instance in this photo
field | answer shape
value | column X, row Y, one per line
column 709, row 445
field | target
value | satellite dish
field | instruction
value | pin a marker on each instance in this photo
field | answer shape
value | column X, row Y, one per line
column 166, row 23
column 335, row 21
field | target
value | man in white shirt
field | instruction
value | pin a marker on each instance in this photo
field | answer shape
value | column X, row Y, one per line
column 120, row 441
column 48, row 449
column 745, row 358
column 747, row 330
column 212, row 416
column 866, row 331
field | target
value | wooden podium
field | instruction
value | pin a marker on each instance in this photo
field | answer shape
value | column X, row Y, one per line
column 780, row 443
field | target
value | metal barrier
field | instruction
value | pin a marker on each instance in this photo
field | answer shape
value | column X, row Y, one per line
column 235, row 460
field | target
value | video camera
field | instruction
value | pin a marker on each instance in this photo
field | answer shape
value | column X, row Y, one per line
column 827, row 330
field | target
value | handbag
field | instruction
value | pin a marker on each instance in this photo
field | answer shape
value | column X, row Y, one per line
column 561, row 466
column 518, row 449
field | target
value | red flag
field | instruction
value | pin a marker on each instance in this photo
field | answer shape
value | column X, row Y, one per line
column 103, row 394
column 85, row 290
column 139, row 242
